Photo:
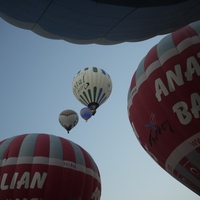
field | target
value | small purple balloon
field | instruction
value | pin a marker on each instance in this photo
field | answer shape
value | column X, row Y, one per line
column 86, row 113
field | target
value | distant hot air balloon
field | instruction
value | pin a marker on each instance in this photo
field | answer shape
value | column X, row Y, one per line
column 164, row 104
column 100, row 21
column 46, row 167
column 68, row 119
column 92, row 86
column 86, row 113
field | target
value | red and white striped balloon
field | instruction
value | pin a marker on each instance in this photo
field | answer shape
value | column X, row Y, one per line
column 46, row 167
column 164, row 104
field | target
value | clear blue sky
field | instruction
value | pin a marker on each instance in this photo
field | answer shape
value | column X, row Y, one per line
column 36, row 85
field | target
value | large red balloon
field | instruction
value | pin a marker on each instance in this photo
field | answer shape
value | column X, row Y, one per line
column 164, row 104
column 46, row 167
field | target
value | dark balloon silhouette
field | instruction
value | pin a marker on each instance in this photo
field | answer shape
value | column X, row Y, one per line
column 100, row 21
column 164, row 104
column 47, row 167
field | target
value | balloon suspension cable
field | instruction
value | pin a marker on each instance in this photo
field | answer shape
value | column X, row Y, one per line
column 93, row 112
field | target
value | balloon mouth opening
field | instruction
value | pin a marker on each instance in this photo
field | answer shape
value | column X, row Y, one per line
column 67, row 128
column 93, row 106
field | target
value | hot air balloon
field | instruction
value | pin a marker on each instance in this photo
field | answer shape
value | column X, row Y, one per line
column 86, row 113
column 164, row 104
column 92, row 86
column 68, row 119
column 46, row 167
column 100, row 21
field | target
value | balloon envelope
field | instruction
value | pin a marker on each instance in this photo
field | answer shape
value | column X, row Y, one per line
column 101, row 22
column 164, row 104
column 46, row 167
column 68, row 119
column 92, row 86
column 86, row 113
